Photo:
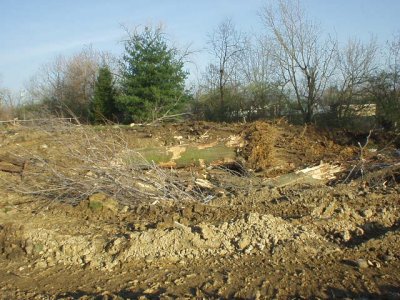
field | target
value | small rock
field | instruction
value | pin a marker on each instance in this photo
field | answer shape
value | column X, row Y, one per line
column 207, row 233
column 345, row 235
column 359, row 231
column 367, row 213
column 41, row 264
column 243, row 242
column 362, row 263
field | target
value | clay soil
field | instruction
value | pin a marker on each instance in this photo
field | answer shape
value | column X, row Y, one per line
column 238, row 239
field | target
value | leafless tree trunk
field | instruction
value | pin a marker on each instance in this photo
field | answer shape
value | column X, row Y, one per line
column 305, row 60
column 356, row 64
column 261, row 81
column 7, row 104
column 394, row 63
column 384, row 87
column 67, row 84
column 226, row 45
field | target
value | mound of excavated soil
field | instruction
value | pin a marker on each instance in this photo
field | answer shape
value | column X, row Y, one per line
column 279, row 148
column 253, row 234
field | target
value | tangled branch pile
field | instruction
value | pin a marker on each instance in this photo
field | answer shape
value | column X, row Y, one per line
column 91, row 161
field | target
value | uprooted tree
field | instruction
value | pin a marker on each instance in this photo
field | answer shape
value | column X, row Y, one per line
column 152, row 77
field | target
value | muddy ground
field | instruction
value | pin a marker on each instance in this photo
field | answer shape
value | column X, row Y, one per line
column 72, row 227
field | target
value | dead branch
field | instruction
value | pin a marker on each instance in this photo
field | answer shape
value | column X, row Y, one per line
column 94, row 162
column 359, row 167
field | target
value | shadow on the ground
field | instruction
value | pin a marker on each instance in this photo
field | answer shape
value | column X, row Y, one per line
column 372, row 230
column 128, row 294
column 386, row 292
column 123, row 294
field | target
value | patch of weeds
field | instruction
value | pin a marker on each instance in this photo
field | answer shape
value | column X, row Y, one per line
column 95, row 205
column 37, row 248
column 7, row 209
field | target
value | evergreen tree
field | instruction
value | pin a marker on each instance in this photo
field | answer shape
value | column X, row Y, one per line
column 104, row 99
column 153, row 79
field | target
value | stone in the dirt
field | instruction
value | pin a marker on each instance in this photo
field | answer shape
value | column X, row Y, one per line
column 346, row 236
column 244, row 242
column 206, row 232
column 41, row 264
column 366, row 213
column 362, row 263
column 359, row 231
column 351, row 196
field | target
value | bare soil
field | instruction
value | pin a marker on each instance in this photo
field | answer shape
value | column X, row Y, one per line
column 238, row 239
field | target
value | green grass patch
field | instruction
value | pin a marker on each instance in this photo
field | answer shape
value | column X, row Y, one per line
column 95, row 205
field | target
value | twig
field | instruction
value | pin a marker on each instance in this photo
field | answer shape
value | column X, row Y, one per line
column 361, row 160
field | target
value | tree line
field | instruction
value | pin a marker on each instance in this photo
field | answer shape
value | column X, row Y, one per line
column 294, row 70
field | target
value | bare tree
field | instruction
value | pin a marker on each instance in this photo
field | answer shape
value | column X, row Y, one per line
column 7, row 104
column 305, row 60
column 384, row 87
column 226, row 45
column 256, row 63
column 80, row 78
column 356, row 64
column 260, row 80
column 50, row 81
column 394, row 62
column 67, row 84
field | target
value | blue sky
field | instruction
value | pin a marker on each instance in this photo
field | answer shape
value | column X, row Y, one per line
column 33, row 32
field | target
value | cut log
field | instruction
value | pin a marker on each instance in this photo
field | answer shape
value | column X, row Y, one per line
column 11, row 163
column 313, row 175
column 10, row 168
column 216, row 154
column 12, row 159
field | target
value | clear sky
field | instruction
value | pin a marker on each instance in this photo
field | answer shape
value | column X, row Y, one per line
column 33, row 32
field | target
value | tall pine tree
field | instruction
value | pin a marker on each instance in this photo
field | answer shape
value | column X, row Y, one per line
column 153, row 79
column 104, row 99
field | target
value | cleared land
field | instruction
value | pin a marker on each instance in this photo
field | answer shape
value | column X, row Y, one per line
column 198, row 210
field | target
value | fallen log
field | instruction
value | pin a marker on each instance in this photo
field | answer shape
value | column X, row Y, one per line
column 10, row 168
column 11, row 163
column 313, row 175
column 215, row 154
column 12, row 159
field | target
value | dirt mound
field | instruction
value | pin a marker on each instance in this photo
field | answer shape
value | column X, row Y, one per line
column 250, row 235
column 278, row 148
column 260, row 151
